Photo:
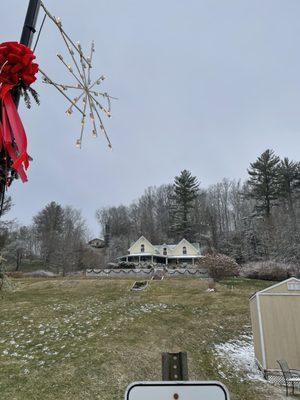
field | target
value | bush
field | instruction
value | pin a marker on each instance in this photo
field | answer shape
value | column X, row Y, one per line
column 127, row 265
column 15, row 274
column 220, row 266
column 269, row 270
column 5, row 282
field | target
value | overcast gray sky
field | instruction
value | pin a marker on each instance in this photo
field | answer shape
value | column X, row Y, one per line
column 205, row 85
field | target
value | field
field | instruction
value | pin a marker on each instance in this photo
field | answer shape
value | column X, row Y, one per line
column 88, row 339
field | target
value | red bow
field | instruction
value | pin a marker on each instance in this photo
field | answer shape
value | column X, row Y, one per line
column 16, row 68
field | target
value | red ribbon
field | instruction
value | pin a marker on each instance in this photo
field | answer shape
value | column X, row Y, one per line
column 16, row 67
column 12, row 133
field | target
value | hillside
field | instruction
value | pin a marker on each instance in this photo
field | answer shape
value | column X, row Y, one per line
column 88, row 339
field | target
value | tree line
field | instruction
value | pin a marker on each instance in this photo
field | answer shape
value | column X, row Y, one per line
column 250, row 221
column 56, row 240
column 253, row 220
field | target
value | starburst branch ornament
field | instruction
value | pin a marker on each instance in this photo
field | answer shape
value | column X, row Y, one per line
column 92, row 103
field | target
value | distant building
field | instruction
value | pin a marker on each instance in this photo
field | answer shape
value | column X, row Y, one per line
column 182, row 253
column 97, row 243
column 275, row 316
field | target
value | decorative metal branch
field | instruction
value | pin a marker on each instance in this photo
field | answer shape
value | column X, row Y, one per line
column 80, row 69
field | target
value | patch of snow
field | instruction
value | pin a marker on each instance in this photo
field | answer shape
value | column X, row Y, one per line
column 240, row 355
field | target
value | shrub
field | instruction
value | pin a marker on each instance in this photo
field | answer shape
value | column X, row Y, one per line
column 15, row 274
column 2, row 276
column 127, row 265
column 269, row 270
column 5, row 282
column 220, row 266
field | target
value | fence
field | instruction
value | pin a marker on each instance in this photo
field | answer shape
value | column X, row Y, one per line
column 140, row 272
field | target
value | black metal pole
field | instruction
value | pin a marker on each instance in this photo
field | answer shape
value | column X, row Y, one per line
column 26, row 39
column 28, row 31
column 30, row 22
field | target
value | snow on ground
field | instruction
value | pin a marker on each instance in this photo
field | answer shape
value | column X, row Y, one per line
column 238, row 357
column 63, row 329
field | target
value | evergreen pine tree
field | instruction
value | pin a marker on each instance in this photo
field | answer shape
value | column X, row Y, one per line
column 186, row 189
column 289, row 183
column 264, row 181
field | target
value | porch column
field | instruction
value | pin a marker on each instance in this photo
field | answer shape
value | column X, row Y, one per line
column 193, row 261
column 139, row 259
column 167, row 260
column 152, row 259
column 127, row 259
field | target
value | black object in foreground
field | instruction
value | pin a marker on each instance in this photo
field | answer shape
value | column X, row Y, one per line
column 175, row 385
column 175, row 367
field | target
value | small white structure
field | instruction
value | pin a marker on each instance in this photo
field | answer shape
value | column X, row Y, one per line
column 275, row 316
column 144, row 251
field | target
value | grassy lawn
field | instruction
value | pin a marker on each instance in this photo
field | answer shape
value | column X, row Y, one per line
column 88, row 339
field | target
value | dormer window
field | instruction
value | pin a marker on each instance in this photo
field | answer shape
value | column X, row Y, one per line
column 165, row 251
column 142, row 248
column 184, row 250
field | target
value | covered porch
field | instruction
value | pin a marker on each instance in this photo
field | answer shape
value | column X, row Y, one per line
column 179, row 260
column 144, row 257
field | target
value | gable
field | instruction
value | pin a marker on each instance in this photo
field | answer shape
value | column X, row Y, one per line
column 190, row 249
column 288, row 286
column 136, row 247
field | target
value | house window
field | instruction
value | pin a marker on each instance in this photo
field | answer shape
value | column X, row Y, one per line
column 184, row 250
column 165, row 252
column 142, row 248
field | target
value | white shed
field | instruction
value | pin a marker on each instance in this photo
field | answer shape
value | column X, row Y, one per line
column 275, row 316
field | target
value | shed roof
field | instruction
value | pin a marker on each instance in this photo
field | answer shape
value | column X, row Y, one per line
column 277, row 285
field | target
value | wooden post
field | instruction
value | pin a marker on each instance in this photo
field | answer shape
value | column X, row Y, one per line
column 174, row 367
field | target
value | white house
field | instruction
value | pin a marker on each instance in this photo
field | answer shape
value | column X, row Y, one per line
column 144, row 251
